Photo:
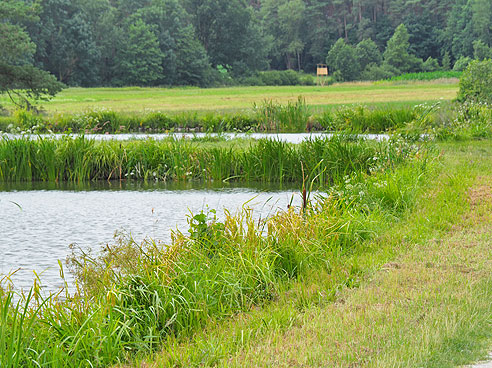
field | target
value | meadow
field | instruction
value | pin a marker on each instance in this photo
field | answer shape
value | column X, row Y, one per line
column 241, row 99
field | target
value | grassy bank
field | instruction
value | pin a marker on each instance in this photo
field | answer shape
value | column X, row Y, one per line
column 442, row 121
column 420, row 296
column 267, row 116
column 84, row 159
column 136, row 297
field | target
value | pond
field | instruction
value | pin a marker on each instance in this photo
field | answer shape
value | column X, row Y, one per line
column 39, row 221
column 285, row 137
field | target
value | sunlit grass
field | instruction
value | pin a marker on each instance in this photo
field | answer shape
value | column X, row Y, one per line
column 237, row 99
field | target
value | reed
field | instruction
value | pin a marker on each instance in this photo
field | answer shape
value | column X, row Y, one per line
column 82, row 159
column 362, row 119
column 269, row 116
column 273, row 116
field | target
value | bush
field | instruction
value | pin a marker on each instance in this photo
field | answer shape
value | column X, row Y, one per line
column 476, row 82
column 253, row 80
column 379, row 72
column 461, row 63
column 271, row 78
column 307, row 80
column 430, row 65
column 442, row 74
column 280, row 78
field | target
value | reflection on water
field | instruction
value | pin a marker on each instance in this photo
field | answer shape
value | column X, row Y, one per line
column 38, row 221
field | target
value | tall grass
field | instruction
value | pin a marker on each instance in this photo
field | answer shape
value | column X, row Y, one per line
column 269, row 116
column 451, row 122
column 427, row 76
column 82, row 159
column 362, row 119
column 292, row 117
column 134, row 295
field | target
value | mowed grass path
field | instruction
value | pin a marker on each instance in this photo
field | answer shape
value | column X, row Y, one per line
column 233, row 99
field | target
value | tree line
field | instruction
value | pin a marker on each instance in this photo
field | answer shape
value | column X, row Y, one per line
column 208, row 42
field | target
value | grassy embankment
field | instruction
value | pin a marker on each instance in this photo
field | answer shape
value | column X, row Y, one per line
column 288, row 109
column 139, row 296
column 420, row 296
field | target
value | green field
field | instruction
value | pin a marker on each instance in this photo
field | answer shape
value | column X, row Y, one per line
column 135, row 99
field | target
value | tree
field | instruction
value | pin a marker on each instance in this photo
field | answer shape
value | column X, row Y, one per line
column 481, row 51
column 228, row 32
column 65, row 42
column 368, row 53
column 396, row 53
column 184, row 59
column 342, row 60
column 139, row 59
column 482, row 20
column 283, row 21
column 458, row 36
column 19, row 79
column 446, row 61
column 291, row 16
column 423, row 35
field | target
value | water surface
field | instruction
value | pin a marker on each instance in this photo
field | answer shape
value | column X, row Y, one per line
column 285, row 137
column 39, row 221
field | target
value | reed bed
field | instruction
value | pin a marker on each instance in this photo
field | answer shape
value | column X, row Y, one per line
column 133, row 296
column 79, row 159
column 268, row 116
column 362, row 119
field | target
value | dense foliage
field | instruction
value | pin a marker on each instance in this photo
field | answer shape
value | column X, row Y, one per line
column 19, row 79
column 192, row 42
column 476, row 82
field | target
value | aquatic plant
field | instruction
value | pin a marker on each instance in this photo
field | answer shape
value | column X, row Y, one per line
column 81, row 159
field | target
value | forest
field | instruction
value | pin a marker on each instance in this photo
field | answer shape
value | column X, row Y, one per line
column 219, row 42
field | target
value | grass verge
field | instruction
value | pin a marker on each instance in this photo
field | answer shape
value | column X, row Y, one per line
column 421, row 297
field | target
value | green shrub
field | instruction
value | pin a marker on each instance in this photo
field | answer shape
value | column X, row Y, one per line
column 431, row 65
column 461, row 63
column 254, row 80
column 281, row 78
column 378, row 72
column 476, row 82
column 307, row 80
